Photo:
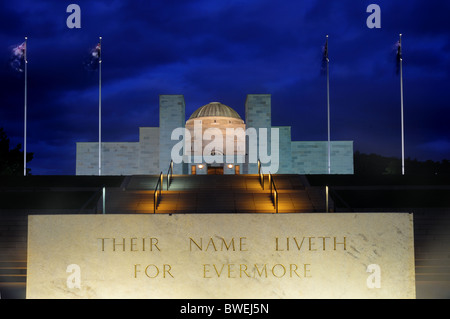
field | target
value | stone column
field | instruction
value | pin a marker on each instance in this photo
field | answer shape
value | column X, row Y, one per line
column 258, row 114
column 171, row 116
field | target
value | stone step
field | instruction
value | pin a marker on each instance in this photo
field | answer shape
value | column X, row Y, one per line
column 206, row 193
column 13, row 271
column 433, row 277
column 177, row 202
column 432, row 269
column 13, row 278
column 13, row 263
column 20, row 256
column 201, row 182
column 189, row 182
column 119, row 201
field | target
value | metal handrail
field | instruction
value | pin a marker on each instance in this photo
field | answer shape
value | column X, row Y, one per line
column 273, row 192
column 261, row 175
column 169, row 174
column 157, row 193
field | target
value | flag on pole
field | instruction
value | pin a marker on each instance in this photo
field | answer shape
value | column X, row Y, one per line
column 325, row 59
column 400, row 71
column 93, row 60
column 18, row 63
column 96, row 51
column 18, row 54
column 398, row 47
column 97, row 54
column 325, row 71
column 94, row 63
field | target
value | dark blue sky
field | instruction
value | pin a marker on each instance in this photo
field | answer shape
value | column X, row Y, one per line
column 212, row 50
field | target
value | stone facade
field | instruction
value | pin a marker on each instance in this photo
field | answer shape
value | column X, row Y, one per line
column 312, row 157
column 117, row 158
column 171, row 116
column 152, row 154
column 148, row 150
column 285, row 150
column 221, row 124
column 258, row 115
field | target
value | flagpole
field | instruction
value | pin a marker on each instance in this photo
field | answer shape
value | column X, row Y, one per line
column 100, row 110
column 25, row 112
column 328, row 110
column 402, row 113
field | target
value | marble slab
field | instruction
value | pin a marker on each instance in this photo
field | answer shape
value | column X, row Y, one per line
column 226, row 256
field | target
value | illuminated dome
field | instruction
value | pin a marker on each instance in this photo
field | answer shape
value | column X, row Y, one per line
column 215, row 109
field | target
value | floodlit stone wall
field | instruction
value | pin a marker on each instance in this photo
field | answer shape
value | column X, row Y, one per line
column 152, row 154
column 312, row 157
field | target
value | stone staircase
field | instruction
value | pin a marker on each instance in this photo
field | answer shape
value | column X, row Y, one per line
column 214, row 194
column 225, row 194
column 13, row 254
column 432, row 253
column 187, row 194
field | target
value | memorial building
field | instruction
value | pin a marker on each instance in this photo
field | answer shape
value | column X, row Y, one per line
column 215, row 139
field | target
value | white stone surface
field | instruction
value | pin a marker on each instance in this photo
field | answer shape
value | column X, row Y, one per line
column 152, row 154
column 241, row 256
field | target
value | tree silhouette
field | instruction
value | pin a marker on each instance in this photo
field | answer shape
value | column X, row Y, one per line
column 374, row 164
column 11, row 160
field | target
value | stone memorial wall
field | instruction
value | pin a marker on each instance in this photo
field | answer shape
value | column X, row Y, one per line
column 226, row 256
